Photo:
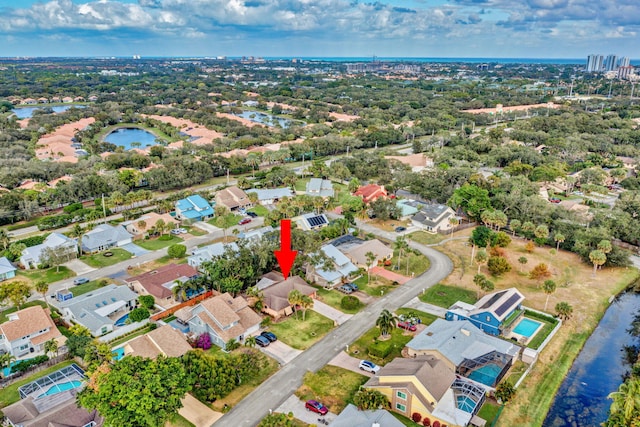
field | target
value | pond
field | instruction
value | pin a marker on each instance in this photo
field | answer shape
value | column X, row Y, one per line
column 265, row 119
column 131, row 138
column 597, row 371
column 27, row 112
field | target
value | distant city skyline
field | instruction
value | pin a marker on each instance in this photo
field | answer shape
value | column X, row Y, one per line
column 320, row 28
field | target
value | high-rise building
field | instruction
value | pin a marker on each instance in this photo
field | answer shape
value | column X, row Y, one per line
column 594, row 63
column 624, row 61
column 611, row 63
column 625, row 72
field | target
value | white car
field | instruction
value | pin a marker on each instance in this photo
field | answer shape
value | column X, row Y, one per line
column 368, row 366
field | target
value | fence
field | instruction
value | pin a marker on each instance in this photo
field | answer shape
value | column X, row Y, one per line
column 123, row 331
column 4, row 382
column 193, row 301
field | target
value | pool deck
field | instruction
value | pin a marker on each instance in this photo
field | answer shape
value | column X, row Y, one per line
column 523, row 339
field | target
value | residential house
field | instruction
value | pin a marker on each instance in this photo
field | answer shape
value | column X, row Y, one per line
column 105, row 236
column 311, row 221
column 269, row 196
column 358, row 253
column 490, row 312
column 7, row 270
column 351, row 416
column 161, row 281
column 27, row 330
column 163, row 341
column 465, row 349
column 426, row 385
column 67, row 99
column 233, row 198
column 101, row 310
column 256, row 233
column 342, row 269
column 223, row 317
column 207, row 253
column 193, row 208
column 418, row 161
column 32, row 256
column 370, row 192
column 434, row 218
column 318, row 187
column 139, row 227
column 30, row 101
column 276, row 294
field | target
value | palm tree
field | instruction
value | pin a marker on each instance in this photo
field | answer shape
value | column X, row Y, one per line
column 6, row 360
column 605, row 246
column 626, row 401
column 453, row 222
column 481, row 258
column 5, row 240
column 527, row 228
column 514, row 224
column 305, row 303
column 42, row 287
column 598, row 258
column 386, row 322
column 522, row 260
column 295, row 298
column 371, row 257
column 51, row 346
column 549, row 287
column 564, row 310
column 250, row 341
column 253, row 160
column 559, row 238
column 541, row 232
column 400, row 245
column 179, row 290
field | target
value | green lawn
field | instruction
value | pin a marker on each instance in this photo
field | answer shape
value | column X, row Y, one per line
column 159, row 242
column 425, row 318
column 408, row 422
column 427, row 238
column 88, row 287
column 376, row 288
column 331, row 385
column 301, row 184
column 5, row 313
column 99, row 260
column 370, row 340
column 333, row 298
column 445, row 296
column 178, row 420
column 230, row 220
column 130, row 336
column 489, row 411
column 302, row 334
column 49, row 275
column 259, row 210
column 9, row 394
column 195, row 231
column 548, row 322
column 516, row 371
column 416, row 263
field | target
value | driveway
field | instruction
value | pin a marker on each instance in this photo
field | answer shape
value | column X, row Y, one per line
column 135, row 250
column 327, row 311
column 78, row 267
column 416, row 304
column 296, row 406
column 281, row 352
column 390, row 275
column 197, row 412
column 204, row 226
column 344, row 360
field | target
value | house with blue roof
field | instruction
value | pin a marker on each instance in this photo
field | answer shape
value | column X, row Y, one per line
column 490, row 312
column 7, row 270
column 342, row 269
column 193, row 208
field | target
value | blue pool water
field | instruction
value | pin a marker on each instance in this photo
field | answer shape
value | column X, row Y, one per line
column 118, row 353
column 179, row 326
column 526, row 327
column 124, row 137
column 60, row 387
column 7, row 371
column 486, row 374
column 123, row 320
column 466, row 404
column 27, row 112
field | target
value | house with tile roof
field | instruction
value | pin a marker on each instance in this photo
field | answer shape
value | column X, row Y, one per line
column 269, row 196
column 104, row 237
column 27, row 330
column 163, row 341
column 426, row 385
column 233, row 198
column 143, row 224
column 99, row 310
column 342, row 268
column 358, row 253
column 434, row 218
column 224, row 318
column 370, row 192
column 32, row 256
column 318, row 187
column 193, row 208
column 160, row 282
column 7, row 270
column 276, row 293
column 489, row 312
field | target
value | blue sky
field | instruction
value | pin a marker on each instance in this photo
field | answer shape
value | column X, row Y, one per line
column 411, row 28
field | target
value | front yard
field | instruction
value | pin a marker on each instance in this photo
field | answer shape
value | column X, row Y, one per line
column 334, row 297
column 229, row 220
column 49, row 275
column 380, row 351
column 410, row 264
column 302, row 334
column 331, row 385
column 99, row 260
column 445, row 295
column 377, row 287
column 159, row 242
column 425, row 238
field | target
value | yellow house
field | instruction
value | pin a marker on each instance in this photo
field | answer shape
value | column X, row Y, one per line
column 428, row 386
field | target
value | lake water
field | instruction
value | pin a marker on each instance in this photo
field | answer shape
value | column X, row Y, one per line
column 27, row 112
column 123, row 137
column 598, row 369
column 264, row 119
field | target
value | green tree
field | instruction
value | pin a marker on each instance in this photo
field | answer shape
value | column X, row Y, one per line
column 564, row 310
column 14, row 292
column 559, row 238
column 16, row 249
column 625, row 408
column 370, row 399
column 42, row 288
column 514, row 225
column 481, row 258
column 498, row 265
column 51, row 346
column 401, row 245
column 306, row 302
column 528, row 228
column 250, row 341
column 5, row 240
column 542, row 233
column 505, row 391
column 386, row 322
column 605, row 246
column 597, row 258
column 549, row 287
column 472, row 199
column 139, row 314
column 371, row 257
column 276, row 419
column 136, row 391
column 523, row 261
column 177, row 250
column 479, row 280
column 147, row 301
column 295, row 298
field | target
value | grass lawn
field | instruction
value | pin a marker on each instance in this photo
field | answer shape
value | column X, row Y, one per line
column 301, row 184
column 130, row 336
column 49, row 275
column 542, row 334
column 159, row 242
column 99, row 260
column 399, row 338
column 5, row 313
column 269, row 368
column 410, row 263
column 178, row 420
column 489, row 411
column 302, row 334
column 427, row 238
column 331, row 385
column 425, row 318
column 230, row 220
column 195, row 231
column 88, row 287
column 333, row 298
column 516, row 372
column 446, row 295
column 376, row 288
column 9, row 394
column 259, row 210
column 404, row 420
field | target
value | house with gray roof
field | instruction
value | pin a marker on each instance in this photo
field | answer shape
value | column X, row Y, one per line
column 105, row 236
column 269, row 196
column 342, row 268
column 207, row 253
column 351, row 416
column 318, row 187
column 32, row 256
column 311, row 221
column 466, row 350
column 7, row 270
column 100, row 310
column 256, row 233
column 434, row 218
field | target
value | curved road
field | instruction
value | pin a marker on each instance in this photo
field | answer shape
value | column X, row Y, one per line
column 275, row 390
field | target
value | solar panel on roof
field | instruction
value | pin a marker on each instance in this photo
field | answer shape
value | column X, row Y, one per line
column 506, row 305
column 493, row 299
column 316, row 221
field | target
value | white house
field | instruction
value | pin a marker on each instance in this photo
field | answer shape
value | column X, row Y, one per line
column 434, row 218
column 27, row 330
column 342, row 268
column 32, row 256
column 105, row 236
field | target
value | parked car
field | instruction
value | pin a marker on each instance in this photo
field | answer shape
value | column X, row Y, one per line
column 554, row 200
column 352, row 286
column 317, row 407
column 182, row 230
column 400, row 229
column 368, row 366
column 252, row 214
column 407, row 325
column 175, row 231
column 262, row 341
column 244, row 221
column 270, row 336
column 346, row 289
column 80, row 280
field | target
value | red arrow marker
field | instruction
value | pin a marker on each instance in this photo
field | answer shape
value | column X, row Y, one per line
column 285, row 255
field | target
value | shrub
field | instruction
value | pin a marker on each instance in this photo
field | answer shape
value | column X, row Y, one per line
column 426, row 422
column 529, row 247
column 436, row 423
column 505, row 391
column 24, row 365
column 204, row 341
column 138, row 314
column 500, row 239
column 33, row 240
column 350, row 302
column 540, row 271
column 416, row 417
column 498, row 265
column 176, row 250
column 380, row 349
column 147, row 301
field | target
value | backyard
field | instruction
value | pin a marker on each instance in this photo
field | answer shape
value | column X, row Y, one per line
column 302, row 334
column 101, row 259
column 331, row 385
column 5, row 313
column 9, row 394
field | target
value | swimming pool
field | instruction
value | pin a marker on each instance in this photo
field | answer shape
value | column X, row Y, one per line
column 466, row 404
column 486, row 374
column 526, row 327
column 118, row 353
column 123, row 320
column 60, row 387
column 7, row 371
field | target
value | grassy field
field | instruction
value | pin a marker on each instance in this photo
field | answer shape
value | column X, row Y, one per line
column 8, row 311
column 230, row 220
column 331, row 385
column 333, row 298
column 376, row 287
column 516, row 371
column 410, row 264
column 49, row 275
column 178, row 420
column 99, row 260
column 88, row 287
column 9, row 394
column 489, row 411
column 445, row 296
column 426, row 238
column 360, row 347
column 159, row 243
column 259, row 210
column 302, row 334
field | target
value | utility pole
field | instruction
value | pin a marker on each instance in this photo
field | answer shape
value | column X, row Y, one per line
column 227, row 176
column 104, row 209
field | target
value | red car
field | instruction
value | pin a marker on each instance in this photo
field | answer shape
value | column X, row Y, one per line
column 408, row 326
column 244, row 221
column 317, row 407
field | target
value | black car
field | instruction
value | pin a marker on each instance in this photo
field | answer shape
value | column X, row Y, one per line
column 262, row 341
column 400, row 229
column 252, row 214
column 270, row 336
column 346, row 289
column 353, row 286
